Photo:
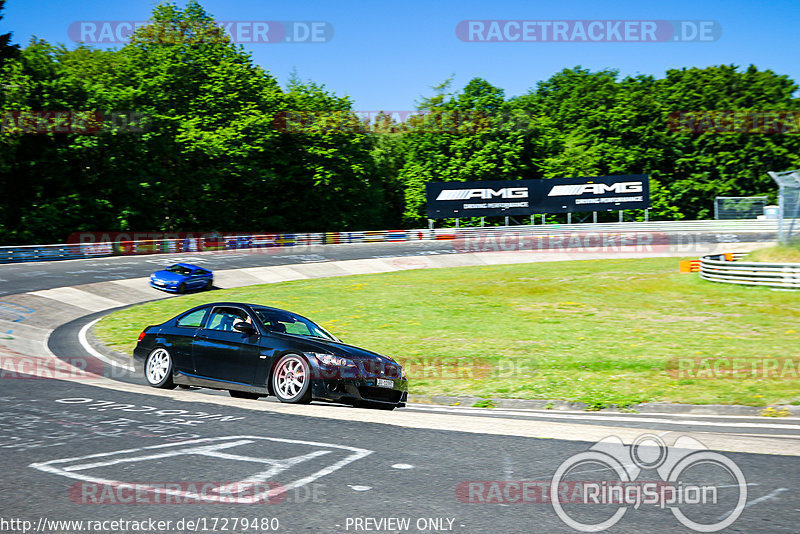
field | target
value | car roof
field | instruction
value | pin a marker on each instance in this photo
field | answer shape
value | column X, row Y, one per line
column 190, row 266
column 242, row 304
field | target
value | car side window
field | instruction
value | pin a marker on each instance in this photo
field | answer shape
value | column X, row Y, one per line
column 225, row 318
column 193, row 319
column 296, row 328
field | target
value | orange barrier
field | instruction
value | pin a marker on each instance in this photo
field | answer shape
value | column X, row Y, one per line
column 691, row 266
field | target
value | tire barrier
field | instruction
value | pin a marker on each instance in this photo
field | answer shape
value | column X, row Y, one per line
column 727, row 268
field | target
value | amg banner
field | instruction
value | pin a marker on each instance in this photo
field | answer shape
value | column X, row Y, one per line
column 448, row 200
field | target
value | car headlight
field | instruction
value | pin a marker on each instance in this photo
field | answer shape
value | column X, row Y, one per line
column 330, row 359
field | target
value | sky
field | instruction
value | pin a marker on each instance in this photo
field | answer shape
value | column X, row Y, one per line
column 390, row 55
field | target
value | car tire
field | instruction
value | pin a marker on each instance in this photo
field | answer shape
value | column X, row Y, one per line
column 285, row 383
column 158, row 369
column 209, row 285
column 243, row 395
column 182, row 288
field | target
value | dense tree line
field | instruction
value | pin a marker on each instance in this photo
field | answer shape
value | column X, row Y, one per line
column 216, row 143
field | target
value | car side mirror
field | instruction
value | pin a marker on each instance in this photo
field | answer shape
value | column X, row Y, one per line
column 244, row 327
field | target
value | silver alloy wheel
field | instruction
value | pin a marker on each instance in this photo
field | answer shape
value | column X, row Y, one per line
column 158, row 365
column 290, row 377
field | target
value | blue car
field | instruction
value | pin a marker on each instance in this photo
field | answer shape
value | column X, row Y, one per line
column 182, row 277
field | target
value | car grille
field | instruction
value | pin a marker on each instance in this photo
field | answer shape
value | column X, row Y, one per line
column 380, row 394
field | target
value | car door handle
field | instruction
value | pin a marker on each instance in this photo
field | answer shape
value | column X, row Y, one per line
column 202, row 336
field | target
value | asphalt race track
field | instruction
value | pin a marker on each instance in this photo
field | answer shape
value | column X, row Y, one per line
column 403, row 473
column 106, row 448
column 23, row 277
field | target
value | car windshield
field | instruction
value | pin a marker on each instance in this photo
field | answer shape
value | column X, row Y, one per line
column 283, row 321
column 180, row 269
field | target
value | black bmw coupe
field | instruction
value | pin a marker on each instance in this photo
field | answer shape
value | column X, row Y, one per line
column 255, row 351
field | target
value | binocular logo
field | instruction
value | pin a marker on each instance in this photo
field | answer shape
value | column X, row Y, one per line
column 624, row 464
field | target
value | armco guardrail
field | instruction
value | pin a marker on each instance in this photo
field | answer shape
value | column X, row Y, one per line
column 263, row 241
column 728, row 269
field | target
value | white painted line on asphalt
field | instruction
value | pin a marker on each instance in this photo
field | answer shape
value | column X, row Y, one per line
column 522, row 411
column 203, row 451
column 278, row 466
column 203, row 447
column 756, row 501
column 359, row 488
column 403, row 466
column 631, row 418
column 88, row 348
column 508, row 469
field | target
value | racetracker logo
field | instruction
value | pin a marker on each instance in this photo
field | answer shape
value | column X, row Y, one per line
column 570, row 242
column 72, row 122
column 393, row 122
column 177, row 492
column 734, row 122
column 727, row 368
column 588, row 31
column 238, row 31
column 16, row 366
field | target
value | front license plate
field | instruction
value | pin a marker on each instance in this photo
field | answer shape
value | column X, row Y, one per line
column 383, row 383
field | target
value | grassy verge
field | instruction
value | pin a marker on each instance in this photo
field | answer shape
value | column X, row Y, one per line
column 789, row 253
column 600, row 332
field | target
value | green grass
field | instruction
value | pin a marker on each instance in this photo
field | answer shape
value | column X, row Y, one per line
column 788, row 253
column 599, row 332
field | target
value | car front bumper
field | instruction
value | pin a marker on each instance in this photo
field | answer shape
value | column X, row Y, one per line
column 357, row 390
column 168, row 286
column 355, row 385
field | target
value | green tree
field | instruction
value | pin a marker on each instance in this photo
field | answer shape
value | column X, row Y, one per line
column 7, row 50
